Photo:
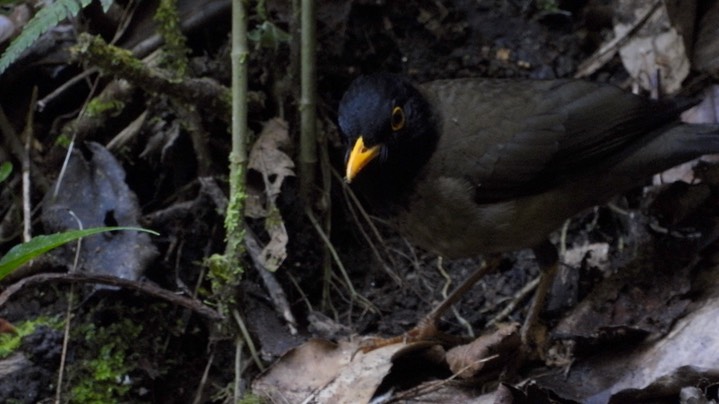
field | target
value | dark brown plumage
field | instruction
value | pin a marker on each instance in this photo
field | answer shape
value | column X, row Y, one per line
column 484, row 165
column 472, row 166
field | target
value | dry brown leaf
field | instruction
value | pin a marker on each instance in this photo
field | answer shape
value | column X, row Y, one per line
column 688, row 355
column 484, row 352
column 656, row 48
column 267, row 158
column 645, row 297
column 6, row 327
column 596, row 254
column 321, row 371
column 275, row 252
column 274, row 165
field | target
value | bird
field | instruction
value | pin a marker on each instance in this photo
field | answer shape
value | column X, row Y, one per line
column 479, row 166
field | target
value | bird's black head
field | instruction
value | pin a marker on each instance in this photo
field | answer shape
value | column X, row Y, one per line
column 389, row 125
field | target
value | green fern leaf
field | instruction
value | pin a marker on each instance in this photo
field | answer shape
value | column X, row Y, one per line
column 42, row 22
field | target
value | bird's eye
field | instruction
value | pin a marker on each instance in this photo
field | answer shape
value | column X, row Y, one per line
column 397, row 118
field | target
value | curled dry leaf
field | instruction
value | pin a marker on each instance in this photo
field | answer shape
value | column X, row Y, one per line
column 274, row 165
column 657, row 48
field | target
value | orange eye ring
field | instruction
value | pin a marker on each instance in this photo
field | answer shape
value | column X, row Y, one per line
column 397, row 118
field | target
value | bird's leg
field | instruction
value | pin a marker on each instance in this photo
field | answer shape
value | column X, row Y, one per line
column 426, row 329
column 487, row 266
column 533, row 332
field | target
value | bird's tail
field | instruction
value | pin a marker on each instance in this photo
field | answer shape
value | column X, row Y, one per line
column 675, row 145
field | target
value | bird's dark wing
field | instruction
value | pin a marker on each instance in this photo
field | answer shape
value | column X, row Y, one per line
column 520, row 137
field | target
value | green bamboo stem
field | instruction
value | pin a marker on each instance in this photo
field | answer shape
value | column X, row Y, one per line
column 234, row 220
column 308, row 100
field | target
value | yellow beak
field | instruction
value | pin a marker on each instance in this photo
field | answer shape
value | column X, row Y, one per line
column 359, row 158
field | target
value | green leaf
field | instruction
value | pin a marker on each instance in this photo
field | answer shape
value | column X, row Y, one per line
column 24, row 252
column 48, row 17
column 268, row 35
column 5, row 170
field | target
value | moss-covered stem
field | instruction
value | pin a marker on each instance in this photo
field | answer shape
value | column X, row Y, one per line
column 234, row 222
column 207, row 94
column 308, row 103
column 175, row 57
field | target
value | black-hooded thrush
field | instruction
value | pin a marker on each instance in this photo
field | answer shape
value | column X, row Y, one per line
column 465, row 167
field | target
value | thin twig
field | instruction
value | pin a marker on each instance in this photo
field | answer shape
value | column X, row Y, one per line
column 68, row 314
column 144, row 287
column 445, row 288
column 64, row 87
column 203, row 380
column 25, row 162
column 338, row 262
column 71, row 147
column 519, row 297
column 237, row 390
column 425, row 388
column 355, row 203
column 247, row 338
column 65, row 343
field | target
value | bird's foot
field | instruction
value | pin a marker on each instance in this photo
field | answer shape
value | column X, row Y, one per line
column 425, row 331
column 535, row 339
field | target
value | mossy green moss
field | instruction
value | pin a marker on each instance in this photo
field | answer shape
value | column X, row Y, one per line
column 97, row 107
column 11, row 342
column 101, row 374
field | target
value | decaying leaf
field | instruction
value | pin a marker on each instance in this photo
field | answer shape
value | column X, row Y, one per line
column 274, row 165
column 654, row 372
column 275, row 252
column 93, row 192
column 321, row 371
column 655, row 55
column 268, row 159
column 15, row 363
column 645, row 297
